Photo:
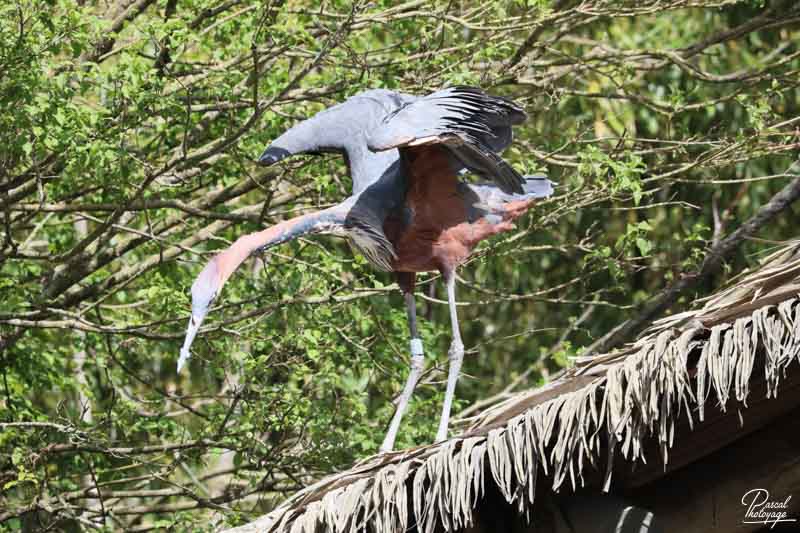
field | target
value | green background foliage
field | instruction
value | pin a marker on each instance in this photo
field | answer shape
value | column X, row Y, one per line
column 129, row 131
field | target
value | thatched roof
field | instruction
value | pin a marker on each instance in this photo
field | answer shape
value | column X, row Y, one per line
column 605, row 408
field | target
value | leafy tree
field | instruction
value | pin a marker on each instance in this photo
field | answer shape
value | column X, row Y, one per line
column 129, row 131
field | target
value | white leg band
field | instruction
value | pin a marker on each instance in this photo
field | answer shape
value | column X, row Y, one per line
column 416, row 347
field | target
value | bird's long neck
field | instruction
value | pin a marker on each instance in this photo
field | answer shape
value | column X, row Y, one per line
column 326, row 221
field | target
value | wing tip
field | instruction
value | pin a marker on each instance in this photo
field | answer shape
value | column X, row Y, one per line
column 514, row 112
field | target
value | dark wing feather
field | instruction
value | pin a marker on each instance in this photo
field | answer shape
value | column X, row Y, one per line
column 472, row 124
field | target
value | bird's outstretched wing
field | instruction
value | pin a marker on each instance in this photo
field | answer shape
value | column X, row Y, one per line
column 471, row 124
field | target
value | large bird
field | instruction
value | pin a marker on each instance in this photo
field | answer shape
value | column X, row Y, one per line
column 410, row 211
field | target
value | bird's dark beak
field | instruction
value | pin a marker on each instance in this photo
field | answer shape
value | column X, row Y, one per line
column 194, row 326
column 272, row 155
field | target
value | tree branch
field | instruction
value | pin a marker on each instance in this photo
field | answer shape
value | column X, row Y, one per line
column 712, row 262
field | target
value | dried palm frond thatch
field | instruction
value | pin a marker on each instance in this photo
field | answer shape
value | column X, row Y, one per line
column 604, row 406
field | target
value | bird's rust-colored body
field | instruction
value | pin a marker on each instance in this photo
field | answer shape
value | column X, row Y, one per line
column 439, row 230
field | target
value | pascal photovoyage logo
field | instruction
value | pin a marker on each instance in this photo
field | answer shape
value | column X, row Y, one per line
column 761, row 509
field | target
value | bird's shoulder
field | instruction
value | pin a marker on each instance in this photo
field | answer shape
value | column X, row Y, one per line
column 387, row 100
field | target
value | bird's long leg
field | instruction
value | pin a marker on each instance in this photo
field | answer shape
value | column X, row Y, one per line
column 456, row 356
column 417, row 364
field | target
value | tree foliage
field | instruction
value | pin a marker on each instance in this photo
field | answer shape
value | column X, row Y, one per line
column 129, row 131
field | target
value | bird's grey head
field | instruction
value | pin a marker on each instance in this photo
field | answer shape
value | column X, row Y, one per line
column 204, row 289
